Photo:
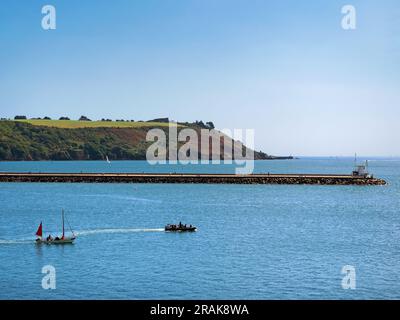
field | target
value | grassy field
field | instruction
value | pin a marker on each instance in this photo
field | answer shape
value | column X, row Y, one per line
column 74, row 124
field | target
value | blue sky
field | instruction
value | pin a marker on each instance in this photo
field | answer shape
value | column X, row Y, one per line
column 285, row 68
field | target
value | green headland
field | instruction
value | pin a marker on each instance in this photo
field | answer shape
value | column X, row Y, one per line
column 24, row 139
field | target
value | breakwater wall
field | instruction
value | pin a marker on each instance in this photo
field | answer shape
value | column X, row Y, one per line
column 317, row 179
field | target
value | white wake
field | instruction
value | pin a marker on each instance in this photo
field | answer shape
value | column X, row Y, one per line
column 22, row 241
column 124, row 230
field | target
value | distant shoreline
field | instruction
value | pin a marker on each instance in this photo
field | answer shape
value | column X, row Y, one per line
column 117, row 160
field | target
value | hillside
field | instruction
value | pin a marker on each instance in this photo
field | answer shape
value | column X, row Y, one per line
column 79, row 140
column 76, row 124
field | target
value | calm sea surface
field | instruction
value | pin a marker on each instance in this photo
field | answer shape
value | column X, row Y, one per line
column 253, row 242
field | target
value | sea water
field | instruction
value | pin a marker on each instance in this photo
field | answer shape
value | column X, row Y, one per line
column 253, row 241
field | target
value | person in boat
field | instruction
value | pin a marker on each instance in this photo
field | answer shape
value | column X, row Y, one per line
column 56, row 238
column 49, row 238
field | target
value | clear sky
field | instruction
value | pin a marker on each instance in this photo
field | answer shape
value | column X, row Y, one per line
column 285, row 68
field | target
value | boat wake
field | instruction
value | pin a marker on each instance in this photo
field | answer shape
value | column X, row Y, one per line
column 124, row 230
column 22, row 241
column 119, row 197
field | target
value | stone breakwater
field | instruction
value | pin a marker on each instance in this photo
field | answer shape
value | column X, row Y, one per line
column 312, row 179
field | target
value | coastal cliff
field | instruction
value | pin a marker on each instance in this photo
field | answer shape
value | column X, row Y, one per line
column 84, row 140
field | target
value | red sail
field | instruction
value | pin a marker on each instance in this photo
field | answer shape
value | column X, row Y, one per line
column 39, row 231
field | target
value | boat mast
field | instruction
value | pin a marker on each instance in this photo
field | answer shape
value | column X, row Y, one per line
column 62, row 224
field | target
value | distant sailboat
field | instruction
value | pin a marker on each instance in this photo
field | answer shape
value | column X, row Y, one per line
column 108, row 160
column 57, row 240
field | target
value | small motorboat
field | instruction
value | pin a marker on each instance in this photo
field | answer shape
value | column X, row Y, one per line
column 180, row 227
column 57, row 240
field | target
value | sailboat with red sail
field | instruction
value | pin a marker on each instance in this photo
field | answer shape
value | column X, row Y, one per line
column 57, row 240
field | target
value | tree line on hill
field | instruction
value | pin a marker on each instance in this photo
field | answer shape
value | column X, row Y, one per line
column 201, row 124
